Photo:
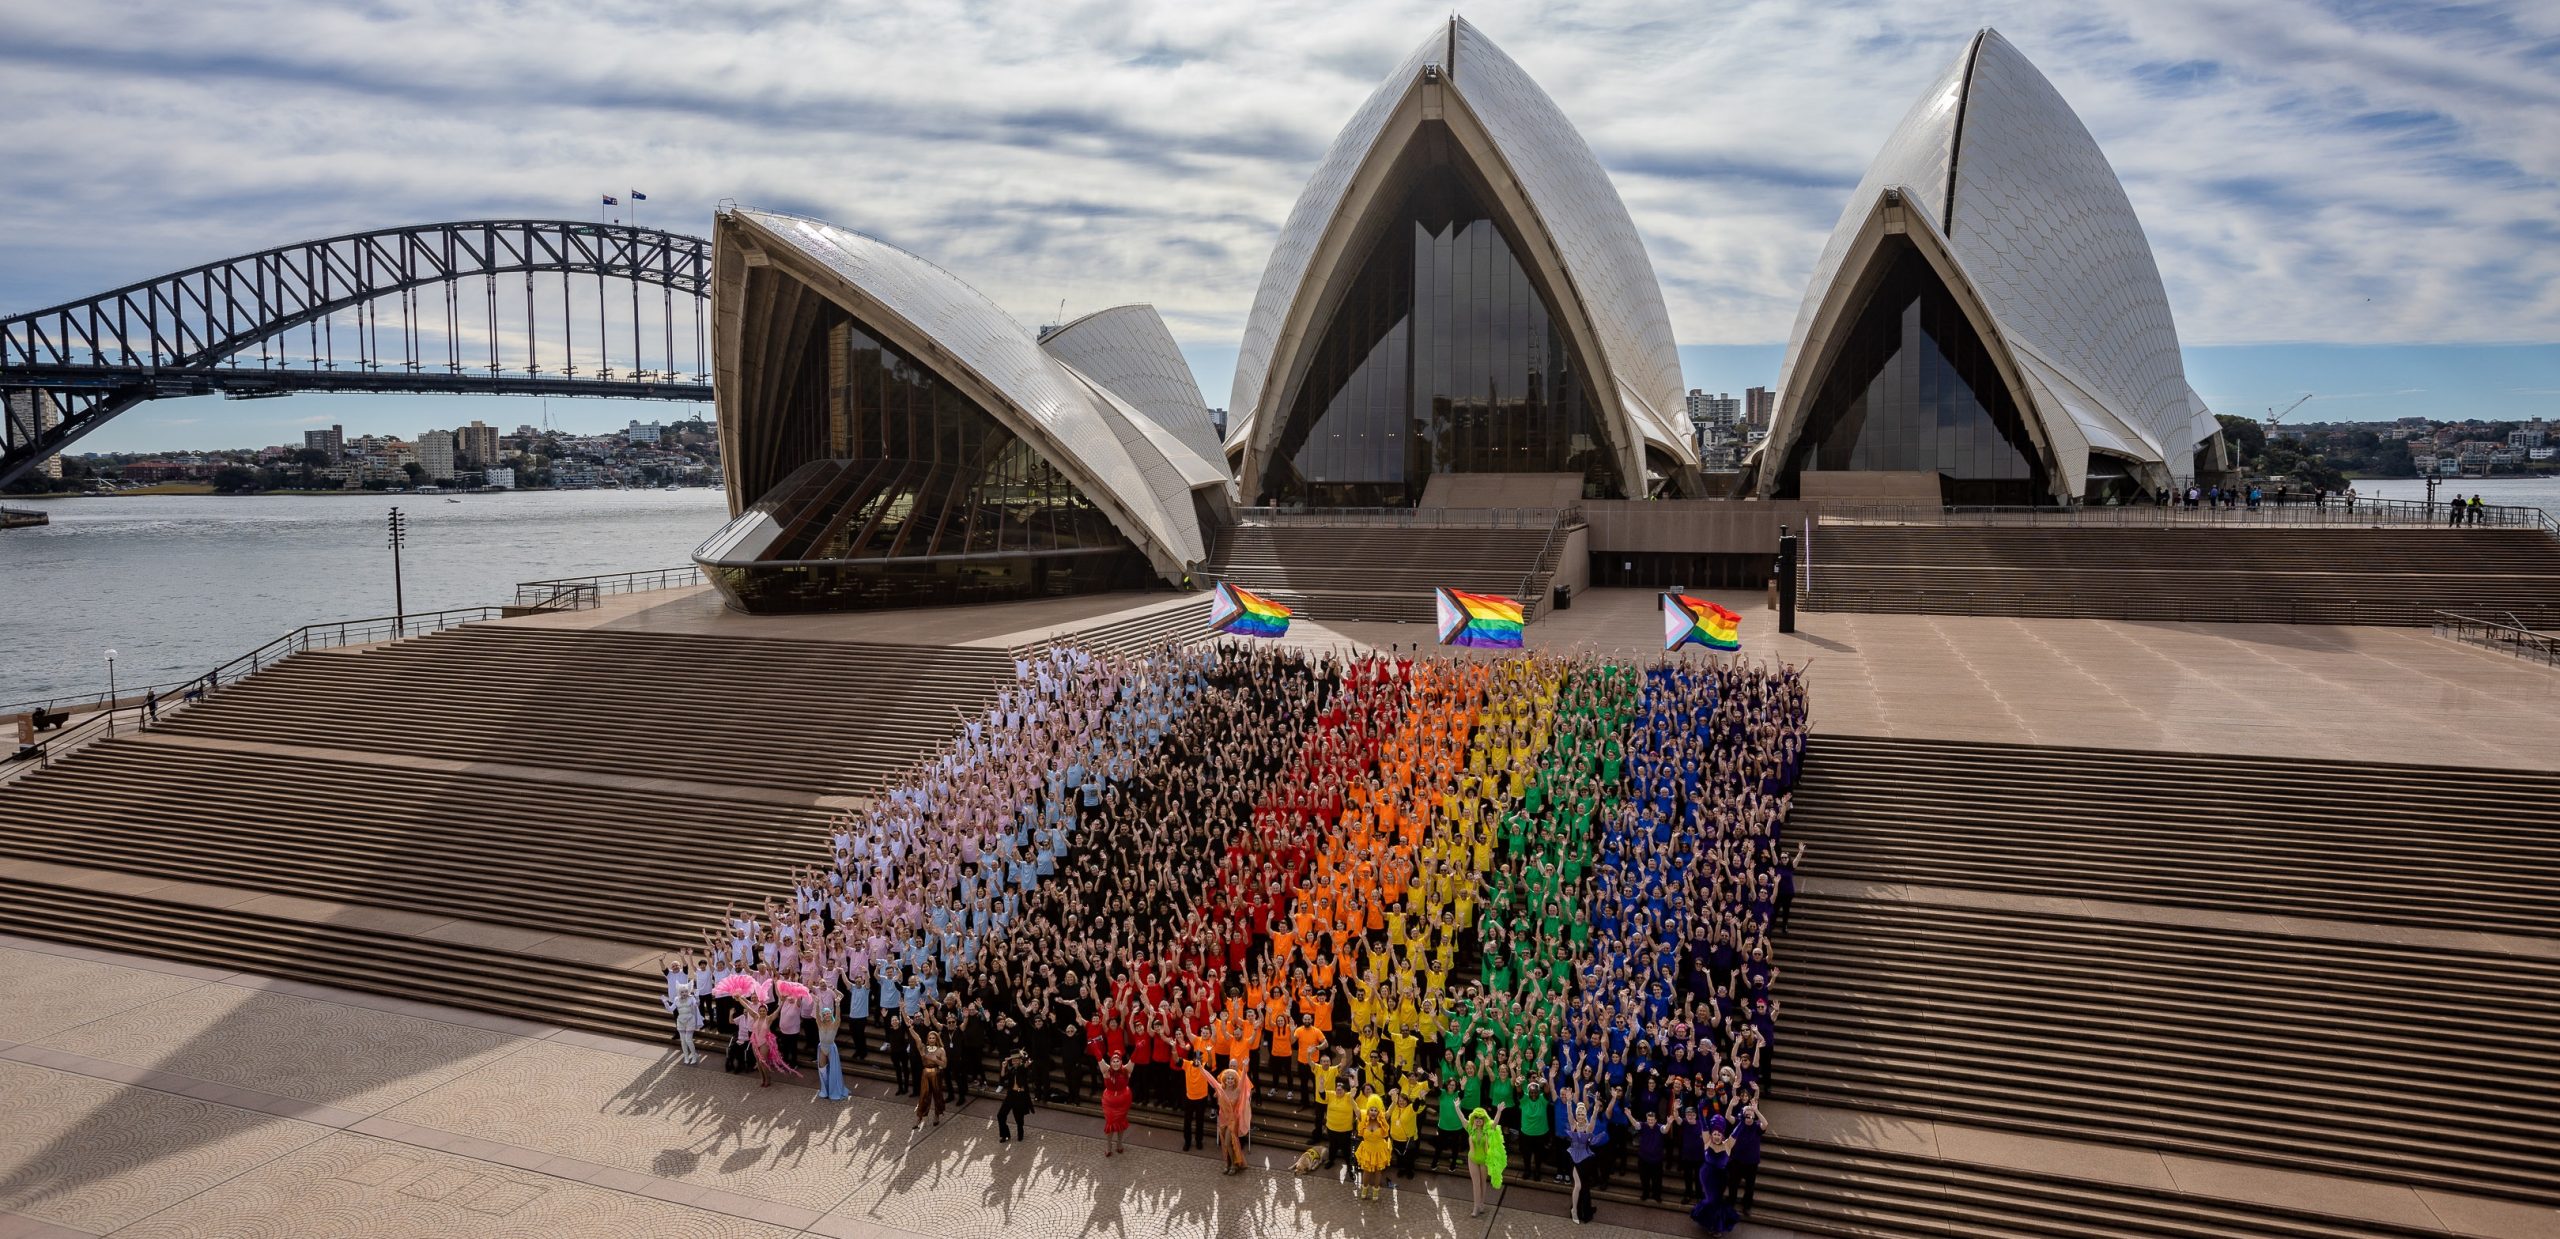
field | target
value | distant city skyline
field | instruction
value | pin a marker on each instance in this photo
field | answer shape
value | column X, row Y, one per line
column 2368, row 383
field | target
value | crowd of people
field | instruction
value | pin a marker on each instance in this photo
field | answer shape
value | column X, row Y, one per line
column 1455, row 906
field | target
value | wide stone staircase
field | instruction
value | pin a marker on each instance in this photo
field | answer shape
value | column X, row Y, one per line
column 2221, row 966
column 2292, row 575
column 1349, row 573
column 822, row 717
column 504, row 817
column 2413, row 845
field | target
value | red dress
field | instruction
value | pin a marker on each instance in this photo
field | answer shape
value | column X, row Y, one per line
column 1115, row 1099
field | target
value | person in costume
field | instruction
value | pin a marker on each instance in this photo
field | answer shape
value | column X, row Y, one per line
column 768, row 1050
column 1376, row 1151
column 1115, row 1105
column 685, row 1003
column 1486, row 1156
column 1235, row 1117
column 931, row 1061
column 830, row 1066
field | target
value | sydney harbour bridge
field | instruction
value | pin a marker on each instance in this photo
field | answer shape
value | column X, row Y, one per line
column 488, row 307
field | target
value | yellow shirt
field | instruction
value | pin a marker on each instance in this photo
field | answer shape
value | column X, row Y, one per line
column 1337, row 1109
column 1400, row 1121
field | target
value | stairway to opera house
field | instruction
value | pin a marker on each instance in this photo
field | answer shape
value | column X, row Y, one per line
column 2295, row 575
column 482, row 817
column 1386, row 573
column 2209, row 966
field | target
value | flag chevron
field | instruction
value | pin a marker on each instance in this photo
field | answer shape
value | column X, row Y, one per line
column 1243, row 613
column 1696, row 621
column 1480, row 620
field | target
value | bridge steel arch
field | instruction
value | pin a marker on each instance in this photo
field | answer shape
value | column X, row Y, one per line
column 185, row 333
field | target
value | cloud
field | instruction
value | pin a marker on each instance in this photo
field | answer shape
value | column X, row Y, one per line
column 2320, row 172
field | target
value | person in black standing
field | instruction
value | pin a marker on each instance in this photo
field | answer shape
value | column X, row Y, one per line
column 902, row 1055
column 1014, row 1079
column 1747, row 1134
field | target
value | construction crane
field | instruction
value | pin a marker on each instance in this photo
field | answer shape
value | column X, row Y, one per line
column 2274, row 415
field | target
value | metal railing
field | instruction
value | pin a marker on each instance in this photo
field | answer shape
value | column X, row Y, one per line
column 1412, row 518
column 578, row 592
column 103, row 714
column 2508, row 634
column 2337, row 512
column 1540, row 565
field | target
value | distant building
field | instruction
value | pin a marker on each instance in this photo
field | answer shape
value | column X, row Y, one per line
column 498, row 477
column 645, row 433
column 477, row 442
column 333, row 441
column 1717, row 410
column 1758, row 404
column 435, row 455
column 32, row 413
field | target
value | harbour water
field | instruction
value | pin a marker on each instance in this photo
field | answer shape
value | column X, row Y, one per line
column 178, row 583
column 2543, row 493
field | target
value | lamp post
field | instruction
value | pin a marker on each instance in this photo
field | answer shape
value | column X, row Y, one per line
column 399, row 607
column 111, row 693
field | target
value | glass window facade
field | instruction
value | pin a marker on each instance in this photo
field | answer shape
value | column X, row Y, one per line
column 1912, row 387
column 926, row 498
column 1442, row 357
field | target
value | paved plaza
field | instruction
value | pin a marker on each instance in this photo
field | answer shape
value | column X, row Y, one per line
column 2335, row 693
column 149, row 1098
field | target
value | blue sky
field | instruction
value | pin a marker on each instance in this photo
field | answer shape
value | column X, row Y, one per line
column 2345, row 197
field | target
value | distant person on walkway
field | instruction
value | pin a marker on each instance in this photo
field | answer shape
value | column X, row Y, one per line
column 2479, row 511
column 2454, row 511
column 151, row 706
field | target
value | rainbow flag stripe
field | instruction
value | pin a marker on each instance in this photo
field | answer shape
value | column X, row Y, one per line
column 1696, row 621
column 1247, row 614
column 1483, row 620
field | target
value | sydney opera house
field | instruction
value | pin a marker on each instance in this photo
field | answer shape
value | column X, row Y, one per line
column 1459, row 290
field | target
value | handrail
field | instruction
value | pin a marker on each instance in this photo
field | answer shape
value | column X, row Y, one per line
column 2300, row 510
column 307, row 637
column 1563, row 516
column 2512, row 636
column 584, row 591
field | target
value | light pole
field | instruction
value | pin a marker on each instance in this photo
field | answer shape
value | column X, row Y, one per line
column 111, row 693
column 399, row 607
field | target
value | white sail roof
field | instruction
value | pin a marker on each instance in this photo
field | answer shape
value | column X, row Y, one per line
column 1136, row 477
column 1128, row 349
column 1607, row 279
column 2032, row 214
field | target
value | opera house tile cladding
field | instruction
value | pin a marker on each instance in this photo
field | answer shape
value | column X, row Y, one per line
column 1988, row 309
